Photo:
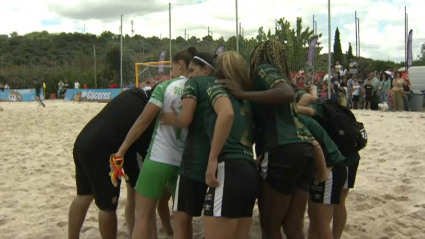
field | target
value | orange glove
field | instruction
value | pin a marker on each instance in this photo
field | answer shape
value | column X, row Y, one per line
column 117, row 171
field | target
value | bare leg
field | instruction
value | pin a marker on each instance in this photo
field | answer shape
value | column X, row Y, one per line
column 273, row 209
column 320, row 217
column 293, row 223
column 182, row 225
column 154, row 231
column 130, row 212
column 39, row 100
column 145, row 209
column 164, row 212
column 340, row 216
column 312, row 233
column 77, row 214
column 220, row 227
column 108, row 224
column 243, row 227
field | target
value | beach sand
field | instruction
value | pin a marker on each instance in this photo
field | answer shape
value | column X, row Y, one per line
column 37, row 172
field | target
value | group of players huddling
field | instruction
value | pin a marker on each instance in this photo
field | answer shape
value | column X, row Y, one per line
column 196, row 134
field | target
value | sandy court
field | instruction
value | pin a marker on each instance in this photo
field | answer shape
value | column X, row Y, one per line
column 37, row 172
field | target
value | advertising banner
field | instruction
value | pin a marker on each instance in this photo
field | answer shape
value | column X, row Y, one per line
column 19, row 95
column 219, row 50
column 92, row 95
column 161, row 58
column 409, row 49
column 312, row 50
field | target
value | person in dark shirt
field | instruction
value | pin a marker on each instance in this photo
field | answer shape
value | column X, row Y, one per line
column 334, row 85
column 98, row 140
column 287, row 167
column 406, row 96
column 368, row 94
column 223, row 158
column 37, row 87
column 351, row 163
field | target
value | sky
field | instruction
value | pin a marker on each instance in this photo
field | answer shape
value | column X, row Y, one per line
column 381, row 21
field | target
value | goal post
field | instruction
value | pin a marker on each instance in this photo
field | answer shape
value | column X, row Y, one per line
column 146, row 66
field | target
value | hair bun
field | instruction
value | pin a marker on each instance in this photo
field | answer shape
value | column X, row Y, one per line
column 192, row 50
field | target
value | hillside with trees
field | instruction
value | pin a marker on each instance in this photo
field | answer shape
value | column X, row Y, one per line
column 54, row 57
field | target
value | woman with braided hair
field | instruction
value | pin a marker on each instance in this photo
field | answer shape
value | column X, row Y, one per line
column 287, row 164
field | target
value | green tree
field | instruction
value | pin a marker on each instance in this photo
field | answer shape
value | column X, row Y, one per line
column 349, row 54
column 296, row 42
column 337, row 48
column 54, row 57
column 261, row 36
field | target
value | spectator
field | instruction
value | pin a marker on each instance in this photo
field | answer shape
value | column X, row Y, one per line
column 76, row 84
column 353, row 67
column 324, row 94
column 368, row 87
column 343, row 93
column 148, row 86
column 130, row 85
column 343, row 71
column 85, row 86
column 350, row 85
column 356, row 94
column 338, row 67
column 61, row 86
column 113, row 85
column 406, row 96
column 326, row 77
column 334, row 86
column 374, row 82
column 384, row 87
column 2, row 87
column 397, row 92
column 66, row 85
column 361, row 91
column 300, row 82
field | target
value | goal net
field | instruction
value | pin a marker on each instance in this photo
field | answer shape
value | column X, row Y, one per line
column 150, row 73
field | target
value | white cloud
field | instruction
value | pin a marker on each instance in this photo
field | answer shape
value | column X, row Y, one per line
column 381, row 22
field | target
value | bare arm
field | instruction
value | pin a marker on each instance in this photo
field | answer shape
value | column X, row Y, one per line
column 142, row 122
column 319, row 160
column 305, row 110
column 306, row 99
column 279, row 94
column 224, row 109
column 223, row 125
column 182, row 120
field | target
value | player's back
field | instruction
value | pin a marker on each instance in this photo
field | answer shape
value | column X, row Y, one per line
column 167, row 141
column 111, row 125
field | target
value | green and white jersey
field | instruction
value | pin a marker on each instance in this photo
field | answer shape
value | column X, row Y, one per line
column 168, row 142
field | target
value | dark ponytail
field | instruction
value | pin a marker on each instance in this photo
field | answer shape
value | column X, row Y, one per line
column 185, row 55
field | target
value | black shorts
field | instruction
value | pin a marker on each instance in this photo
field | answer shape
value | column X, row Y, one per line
column 356, row 98
column 368, row 98
column 289, row 167
column 351, row 176
column 37, row 93
column 235, row 196
column 92, row 175
column 329, row 192
column 190, row 196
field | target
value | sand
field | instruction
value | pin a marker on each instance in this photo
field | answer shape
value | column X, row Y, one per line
column 37, row 172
